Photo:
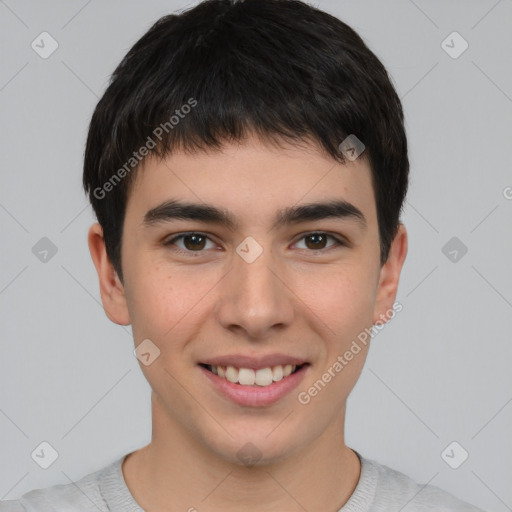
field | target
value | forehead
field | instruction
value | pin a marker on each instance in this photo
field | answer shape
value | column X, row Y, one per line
column 252, row 180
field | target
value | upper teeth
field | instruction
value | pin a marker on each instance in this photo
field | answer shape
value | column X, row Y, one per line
column 249, row 377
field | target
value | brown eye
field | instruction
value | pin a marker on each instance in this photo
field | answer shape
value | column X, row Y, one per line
column 195, row 242
column 316, row 241
column 189, row 243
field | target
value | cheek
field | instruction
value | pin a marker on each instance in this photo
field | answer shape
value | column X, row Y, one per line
column 343, row 300
column 154, row 302
column 165, row 303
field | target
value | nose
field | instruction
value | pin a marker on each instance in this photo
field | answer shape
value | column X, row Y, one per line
column 254, row 298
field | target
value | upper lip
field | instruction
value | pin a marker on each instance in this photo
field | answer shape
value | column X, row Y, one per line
column 253, row 362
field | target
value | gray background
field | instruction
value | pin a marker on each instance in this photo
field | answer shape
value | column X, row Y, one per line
column 439, row 372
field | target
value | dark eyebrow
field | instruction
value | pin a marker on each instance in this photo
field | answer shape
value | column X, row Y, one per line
column 172, row 209
column 338, row 209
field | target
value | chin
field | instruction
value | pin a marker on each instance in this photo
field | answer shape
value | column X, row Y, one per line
column 256, row 447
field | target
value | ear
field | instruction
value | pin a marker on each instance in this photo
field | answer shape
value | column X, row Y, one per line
column 390, row 275
column 111, row 289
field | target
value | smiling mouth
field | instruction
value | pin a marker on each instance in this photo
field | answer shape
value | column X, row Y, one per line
column 262, row 377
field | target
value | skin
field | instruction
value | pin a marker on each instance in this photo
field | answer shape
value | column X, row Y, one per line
column 297, row 298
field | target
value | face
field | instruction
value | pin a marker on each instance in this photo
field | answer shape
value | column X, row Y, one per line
column 248, row 279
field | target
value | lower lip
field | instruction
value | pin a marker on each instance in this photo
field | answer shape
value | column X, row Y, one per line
column 256, row 396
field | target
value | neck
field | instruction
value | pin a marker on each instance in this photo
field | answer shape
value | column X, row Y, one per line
column 176, row 469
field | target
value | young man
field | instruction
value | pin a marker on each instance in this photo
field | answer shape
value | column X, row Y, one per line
column 247, row 166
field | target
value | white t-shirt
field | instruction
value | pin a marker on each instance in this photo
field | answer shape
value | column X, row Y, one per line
column 379, row 489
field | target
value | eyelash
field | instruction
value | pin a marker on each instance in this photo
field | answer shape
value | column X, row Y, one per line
column 339, row 242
